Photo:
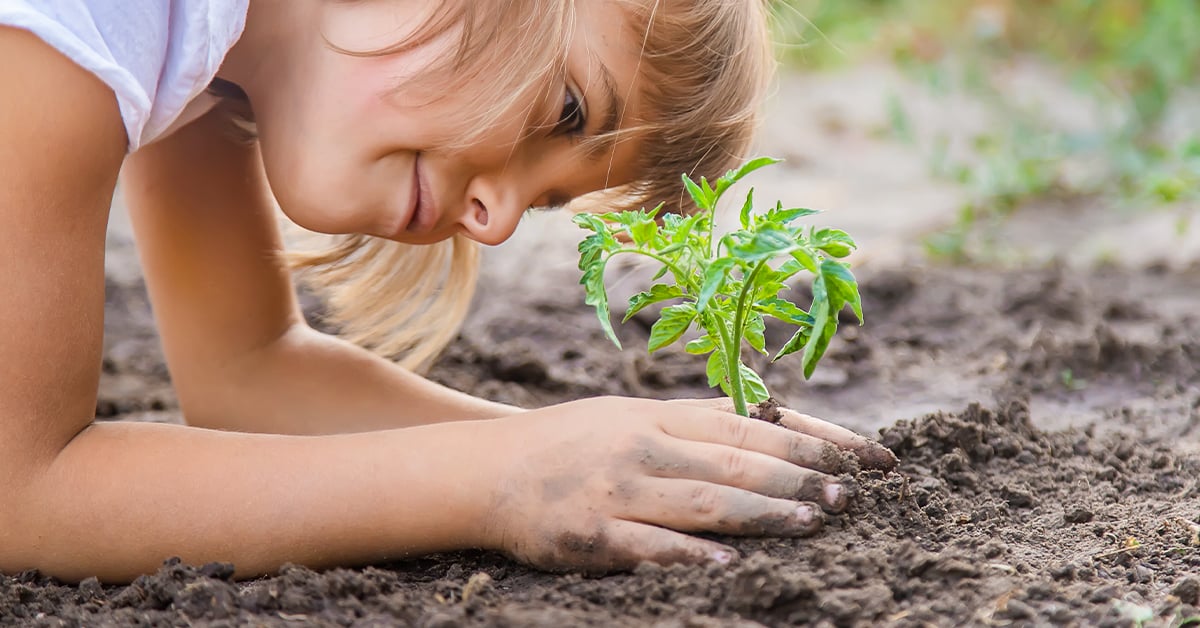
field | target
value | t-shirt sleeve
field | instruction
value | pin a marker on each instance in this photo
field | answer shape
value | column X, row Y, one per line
column 67, row 26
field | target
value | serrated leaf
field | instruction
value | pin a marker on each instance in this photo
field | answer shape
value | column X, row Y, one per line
column 590, row 250
column 755, row 332
column 784, row 216
column 715, row 369
column 596, row 296
column 795, row 343
column 589, row 221
column 673, row 322
column 656, row 294
column 823, row 327
column 784, row 310
column 700, row 346
column 835, row 249
column 763, row 245
column 768, row 288
column 747, row 207
column 714, row 277
column 753, row 388
column 841, row 282
column 698, row 196
column 833, row 242
column 733, row 176
column 805, row 259
column 643, row 231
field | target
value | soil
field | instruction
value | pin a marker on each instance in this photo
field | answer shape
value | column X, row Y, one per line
column 1047, row 420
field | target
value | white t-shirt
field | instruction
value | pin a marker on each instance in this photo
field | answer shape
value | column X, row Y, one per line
column 158, row 56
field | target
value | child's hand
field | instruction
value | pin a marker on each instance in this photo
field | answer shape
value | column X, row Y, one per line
column 606, row 483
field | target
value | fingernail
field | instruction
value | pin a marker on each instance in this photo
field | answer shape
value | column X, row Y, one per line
column 723, row 557
column 835, row 495
column 805, row 514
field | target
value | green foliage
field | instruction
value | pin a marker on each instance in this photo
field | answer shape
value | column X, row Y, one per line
column 726, row 285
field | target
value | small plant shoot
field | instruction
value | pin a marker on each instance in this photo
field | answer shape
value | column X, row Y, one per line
column 726, row 285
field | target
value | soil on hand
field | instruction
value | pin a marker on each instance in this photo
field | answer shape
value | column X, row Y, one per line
column 1046, row 421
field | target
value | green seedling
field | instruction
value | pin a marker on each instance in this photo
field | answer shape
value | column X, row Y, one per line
column 726, row 285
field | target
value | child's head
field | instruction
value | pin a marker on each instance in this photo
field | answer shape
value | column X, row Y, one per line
column 416, row 121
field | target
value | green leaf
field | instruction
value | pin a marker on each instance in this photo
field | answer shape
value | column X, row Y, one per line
column 698, row 196
column 823, row 327
column 835, row 249
column 714, row 277
column 643, row 231
column 795, row 343
column 593, row 283
column 675, row 320
column 784, row 310
column 733, row 176
column 765, row 244
column 841, row 283
column 768, row 288
column 753, row 388
column 590, row 221
column 590, row 250
column 747, row 207
column 805, row 259
column 715, row 369
column 656, row 294
column 755, row 332
column 682, row 231
column 784, row 216
column 834, row 242
column 701, row 345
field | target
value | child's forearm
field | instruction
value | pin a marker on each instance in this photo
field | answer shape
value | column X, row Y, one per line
column 312, row 383
column 122, row 497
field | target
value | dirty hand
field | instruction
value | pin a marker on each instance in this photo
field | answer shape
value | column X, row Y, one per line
column 603, row 484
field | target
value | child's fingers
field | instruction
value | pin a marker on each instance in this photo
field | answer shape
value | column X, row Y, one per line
column 752, row 471
column 729, row 429
column 871, row 454
column 622, row 545
column 695, row 506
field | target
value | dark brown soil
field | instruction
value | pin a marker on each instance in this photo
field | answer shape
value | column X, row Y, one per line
column 1047, row 421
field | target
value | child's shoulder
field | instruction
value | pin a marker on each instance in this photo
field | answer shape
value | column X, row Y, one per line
column 155, row 55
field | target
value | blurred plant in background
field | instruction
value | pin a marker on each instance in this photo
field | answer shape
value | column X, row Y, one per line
column 1135, row 62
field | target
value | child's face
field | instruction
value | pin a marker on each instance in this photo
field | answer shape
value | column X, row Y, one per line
column 346, row 152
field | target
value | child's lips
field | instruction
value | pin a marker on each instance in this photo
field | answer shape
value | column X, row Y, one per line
column 423, row 217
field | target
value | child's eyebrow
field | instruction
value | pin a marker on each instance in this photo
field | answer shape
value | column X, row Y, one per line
column 612, row 115
column 613, row 111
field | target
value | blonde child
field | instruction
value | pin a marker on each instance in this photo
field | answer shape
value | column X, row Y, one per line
column 415, row 129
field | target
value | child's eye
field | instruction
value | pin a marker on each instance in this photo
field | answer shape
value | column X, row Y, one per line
column 572, row 120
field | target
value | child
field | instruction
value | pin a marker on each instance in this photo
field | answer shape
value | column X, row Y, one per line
column 414, row 128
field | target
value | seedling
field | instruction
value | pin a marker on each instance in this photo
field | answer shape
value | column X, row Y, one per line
column 726, row 284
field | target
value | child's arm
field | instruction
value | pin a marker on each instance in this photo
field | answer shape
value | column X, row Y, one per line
column 114, row 499
column 240, row 354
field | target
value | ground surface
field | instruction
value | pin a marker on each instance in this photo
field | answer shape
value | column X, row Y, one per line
column 1047, row 417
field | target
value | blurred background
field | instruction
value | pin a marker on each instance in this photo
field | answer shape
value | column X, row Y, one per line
column 1078, row 116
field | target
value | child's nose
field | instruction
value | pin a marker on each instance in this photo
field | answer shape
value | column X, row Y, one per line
column 490, row 223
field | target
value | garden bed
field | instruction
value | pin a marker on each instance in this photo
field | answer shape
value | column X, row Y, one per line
column 1047, row 421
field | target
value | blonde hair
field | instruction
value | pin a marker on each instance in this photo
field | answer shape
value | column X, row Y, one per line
column 704, row 70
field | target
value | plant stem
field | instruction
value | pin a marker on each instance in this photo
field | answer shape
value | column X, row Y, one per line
column 734, row 351
column 665, row 262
